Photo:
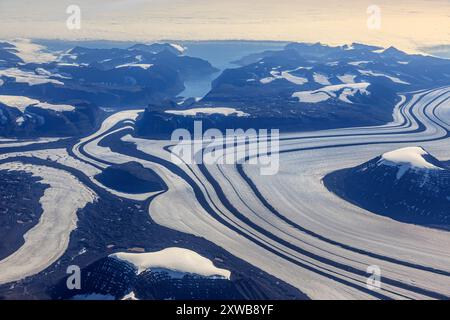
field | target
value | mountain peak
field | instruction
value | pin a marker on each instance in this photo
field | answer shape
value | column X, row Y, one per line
column 392, row 51
column 361, row 46
column 406, row 184
column 411, row 157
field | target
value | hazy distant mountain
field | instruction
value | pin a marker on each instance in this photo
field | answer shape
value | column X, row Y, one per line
column 302, row 78
column 33, row 91
column 315, row 86
column 159, row 47
column 107, row 77
column 24, row 117
column 141, row 55
column 408, row 185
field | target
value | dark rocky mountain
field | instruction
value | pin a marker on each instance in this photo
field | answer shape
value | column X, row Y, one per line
column 408, row 185
column 143, row 56
column 37, row 121
column 314, row 86
column 87, row 79
column 107, row 77
column 114, row 278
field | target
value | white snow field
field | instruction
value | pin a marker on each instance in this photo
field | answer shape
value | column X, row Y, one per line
column 347, row 78
column 286, row 75
column 327, row 92
column 28, row 77
column 406, row 159
column 178, row 260
column 219, row 110
column 46, row 242
column 289, row 225
column 412, row 157
column 321, row 79
column 144, row 66
column 178, row 47
column 31, row 52
column 378, row 74
column 21, row 103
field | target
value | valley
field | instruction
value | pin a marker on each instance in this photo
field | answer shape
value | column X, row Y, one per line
column 114, row 189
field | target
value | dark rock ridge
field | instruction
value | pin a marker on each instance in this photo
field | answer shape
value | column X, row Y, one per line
column 113, row 278
column 40, row 122
column 107, row 77
column 90, row 79
column 400, row 190
column 314, row 86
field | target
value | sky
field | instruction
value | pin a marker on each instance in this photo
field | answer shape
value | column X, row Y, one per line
column 407, row 25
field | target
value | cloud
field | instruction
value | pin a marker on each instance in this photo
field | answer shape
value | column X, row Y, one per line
column 442, row 50
column 404, row 23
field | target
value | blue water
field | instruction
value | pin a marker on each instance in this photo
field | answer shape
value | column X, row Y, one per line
column 220, row 54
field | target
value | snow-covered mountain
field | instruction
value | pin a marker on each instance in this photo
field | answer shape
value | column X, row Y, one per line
column 311, row 86
column 173, row 273
column 407, row 184
column 21, row 116
column 47, row 93
column 140, row 56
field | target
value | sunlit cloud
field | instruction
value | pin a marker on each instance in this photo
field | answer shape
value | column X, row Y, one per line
column 406, row 24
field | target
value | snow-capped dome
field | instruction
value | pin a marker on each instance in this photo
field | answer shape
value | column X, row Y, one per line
column 176, row 259
column 410, row 158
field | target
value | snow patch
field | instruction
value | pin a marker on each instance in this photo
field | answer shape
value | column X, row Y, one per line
column 377, row 74
column 311, row 96
column 357, row 63
column 31, row 52
column 67, row 64
column 21, row 103
column 178, row 47
column 55, row 107
column 406, row 159
column 179, row 260
column 18, row 102
column 327, row 92
column 209, row 111
column 28, row 77
column 20, row 121
column 43, row 72
column 144, row 66
column 130, row 296
column 267, row 80
column 293, row 79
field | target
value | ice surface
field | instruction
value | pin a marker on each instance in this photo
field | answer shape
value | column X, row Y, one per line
column 174, row 259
